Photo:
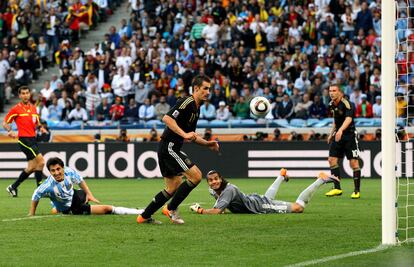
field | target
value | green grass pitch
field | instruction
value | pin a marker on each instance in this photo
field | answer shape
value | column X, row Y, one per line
column 329, row 226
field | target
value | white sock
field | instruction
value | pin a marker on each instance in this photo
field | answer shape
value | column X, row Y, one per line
column 126, row 211
column 272, row 190
column 307, row 194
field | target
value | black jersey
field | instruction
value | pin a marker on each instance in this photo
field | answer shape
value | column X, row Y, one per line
column 340, row 112
column 185, row 113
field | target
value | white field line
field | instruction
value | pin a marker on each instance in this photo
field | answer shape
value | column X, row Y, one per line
column 32, row 218
column 340, row 256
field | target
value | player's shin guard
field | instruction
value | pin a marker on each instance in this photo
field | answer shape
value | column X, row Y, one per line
column 357, row 179
column 157, row 202
column 336, row 172
column 23, row 176
column 39, row 177
column 182, row 192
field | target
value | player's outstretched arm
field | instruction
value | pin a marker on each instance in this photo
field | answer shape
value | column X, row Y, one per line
column 33, row 207
column 172, row 124
column 197, row 208
column 89, row 195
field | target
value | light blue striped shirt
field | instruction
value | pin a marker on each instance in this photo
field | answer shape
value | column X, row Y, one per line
column 60, row 193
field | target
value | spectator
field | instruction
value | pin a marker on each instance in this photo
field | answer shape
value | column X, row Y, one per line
column 217, row 97
column 131, row 111
column 123, row 136
column 276, row 135
column 317, row 110
column 241, row 109
column 208, row 134
column 303, row 83
column 162, row 108
column 364, row 109
column 207, row 111
column 154, row 136
column 364, row 18
column 46, row 92
column 210, row 33
column 356, row 97
column 146, row 111
column 66, row 111
column 377, row 107
column 302, row 108
column 401, row 106
column 222, row 113
column 54, row 110
column 284, row 109
column 116, row 112
column 102, row 111
column 78, row 114
column 44, row 136
column 121, row 83
column 93, row 99
column 171, row 99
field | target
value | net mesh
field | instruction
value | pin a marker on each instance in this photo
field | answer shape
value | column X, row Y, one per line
column 404, row 97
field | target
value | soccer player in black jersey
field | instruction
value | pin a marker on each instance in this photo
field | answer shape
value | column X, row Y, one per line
column 181, row 122
column 343, row 140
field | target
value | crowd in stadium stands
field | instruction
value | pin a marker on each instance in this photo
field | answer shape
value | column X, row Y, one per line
column 287, row 51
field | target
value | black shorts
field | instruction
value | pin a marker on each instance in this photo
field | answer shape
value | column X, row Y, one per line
column 79, row 207
column 28, row 146
column 172, row 161
column 347, row 146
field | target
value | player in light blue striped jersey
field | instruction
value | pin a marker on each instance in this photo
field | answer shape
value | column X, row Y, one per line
column 58, row 187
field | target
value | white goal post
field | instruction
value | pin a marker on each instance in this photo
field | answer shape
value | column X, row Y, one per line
column 388, row 144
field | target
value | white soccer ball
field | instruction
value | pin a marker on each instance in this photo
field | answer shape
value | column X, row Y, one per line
column 260, row 106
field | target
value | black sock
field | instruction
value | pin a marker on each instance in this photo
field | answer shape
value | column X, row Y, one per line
column 337, row 172
column 357, row 180
column 23, row 176
column 159, row 200
column 182, row 192
column 39, row 177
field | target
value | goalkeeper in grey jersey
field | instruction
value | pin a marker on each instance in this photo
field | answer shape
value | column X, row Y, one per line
column 230, row 197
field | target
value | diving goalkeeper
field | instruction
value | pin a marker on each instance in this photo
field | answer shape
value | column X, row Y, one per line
column 228, row 196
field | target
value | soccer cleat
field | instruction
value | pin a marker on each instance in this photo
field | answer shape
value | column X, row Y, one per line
column 12, row 191
column 141, row 220
column 355, row 195
column 328, row 178
column 173, row 215
column 283, row 172
column 334, row 193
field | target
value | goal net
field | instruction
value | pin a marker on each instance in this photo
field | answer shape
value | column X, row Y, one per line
column 404, row 119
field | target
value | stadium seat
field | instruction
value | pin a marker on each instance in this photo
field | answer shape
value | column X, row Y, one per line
column 401, row 122
column 219, row 124
column 377, row 122
column 248, row 123
column 324, row 123
column 311, row 122
column 282, row 123
column 202, row 123
column 154, row 124
column 364, row 122
column 297, row 123
column 62, row 125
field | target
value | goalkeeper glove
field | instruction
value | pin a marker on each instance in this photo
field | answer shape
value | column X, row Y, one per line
column 196, row 208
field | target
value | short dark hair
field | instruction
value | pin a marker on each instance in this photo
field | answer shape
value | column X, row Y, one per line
column 54, row 161
column 22, row 88
column 336, row 85
column 199, row 79
column 224, row 182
